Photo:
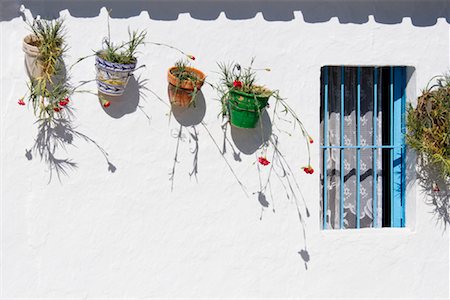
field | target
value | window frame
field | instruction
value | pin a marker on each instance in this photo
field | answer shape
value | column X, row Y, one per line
column 397, row 146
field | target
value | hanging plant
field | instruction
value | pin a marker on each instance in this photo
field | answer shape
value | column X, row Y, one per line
column 184, row 83
column 115, row 64
column 48, row 89
column 244, row 101
column 429, row 125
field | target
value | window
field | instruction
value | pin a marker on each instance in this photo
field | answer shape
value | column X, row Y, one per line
column 363, row 147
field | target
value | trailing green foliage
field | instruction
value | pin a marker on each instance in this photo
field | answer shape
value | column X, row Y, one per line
column 429, row 125
column 51, row 100
column 50, row 42
column 124, row 53
column 232, row 73
column 182, row 73
column 49, row 93
column 236, row 78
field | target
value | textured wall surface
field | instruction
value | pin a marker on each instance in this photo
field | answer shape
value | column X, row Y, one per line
column 113, row 228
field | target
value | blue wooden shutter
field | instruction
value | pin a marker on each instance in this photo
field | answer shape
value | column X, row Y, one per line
column 398, row 86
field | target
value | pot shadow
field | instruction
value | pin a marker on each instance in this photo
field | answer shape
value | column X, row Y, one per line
column 192, row 115
column 188, row 118
column 192, row 139
column 126, row 103
column 55, row 135
column 437, row 191
column 249, row 140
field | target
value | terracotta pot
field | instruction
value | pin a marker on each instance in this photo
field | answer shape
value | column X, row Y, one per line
column 180, row 91
column 32, row 64
column 112, row 78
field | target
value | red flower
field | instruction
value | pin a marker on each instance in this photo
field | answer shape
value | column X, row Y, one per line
column 311, row 140
column 263, row 161
column 21, row 102
column 237, row 84
column 191, row 56
column 106, row 104
column 308, row 170
column 57, row 109
column 64, row 102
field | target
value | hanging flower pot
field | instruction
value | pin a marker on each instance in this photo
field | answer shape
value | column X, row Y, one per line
column 48, row 90
column 115, row 64
column 112, row 77
column 245, row 109
column 244, row 101
column 184, row 83
column 30, row 48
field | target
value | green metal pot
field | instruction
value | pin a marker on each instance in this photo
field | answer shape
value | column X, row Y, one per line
column 245, row 109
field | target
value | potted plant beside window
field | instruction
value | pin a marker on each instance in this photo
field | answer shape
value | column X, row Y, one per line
column 184, row 83
column 115, row 64
column 242, row 99
column 429, row 126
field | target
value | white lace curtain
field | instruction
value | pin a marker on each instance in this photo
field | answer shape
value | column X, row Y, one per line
column 333, row 163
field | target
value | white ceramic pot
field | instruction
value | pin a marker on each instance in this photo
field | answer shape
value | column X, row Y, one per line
column 112, row 78
column 32, row 64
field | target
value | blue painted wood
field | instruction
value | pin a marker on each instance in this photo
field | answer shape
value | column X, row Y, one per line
column 391, row 139
column 341, row 165
column 358, row 150
column 397, row 148
column 403, row 223
column 325, row 156
column 398, row 170
column 375, row 143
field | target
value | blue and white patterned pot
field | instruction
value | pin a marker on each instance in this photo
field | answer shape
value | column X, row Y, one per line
column 112, row 78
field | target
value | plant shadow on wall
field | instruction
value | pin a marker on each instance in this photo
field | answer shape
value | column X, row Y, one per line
column 188, row 119
column 422, row 13
column 253, row 132
column 188, row 107
column 243, row 109
column 429, row 134
column 55, row 135
column 49, row 94
column 437, row 190
column 129, row 101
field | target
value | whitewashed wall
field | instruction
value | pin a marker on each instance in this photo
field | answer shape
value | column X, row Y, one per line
column 125, row 234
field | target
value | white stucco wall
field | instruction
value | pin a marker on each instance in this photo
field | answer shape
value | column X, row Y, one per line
column 98, row 234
